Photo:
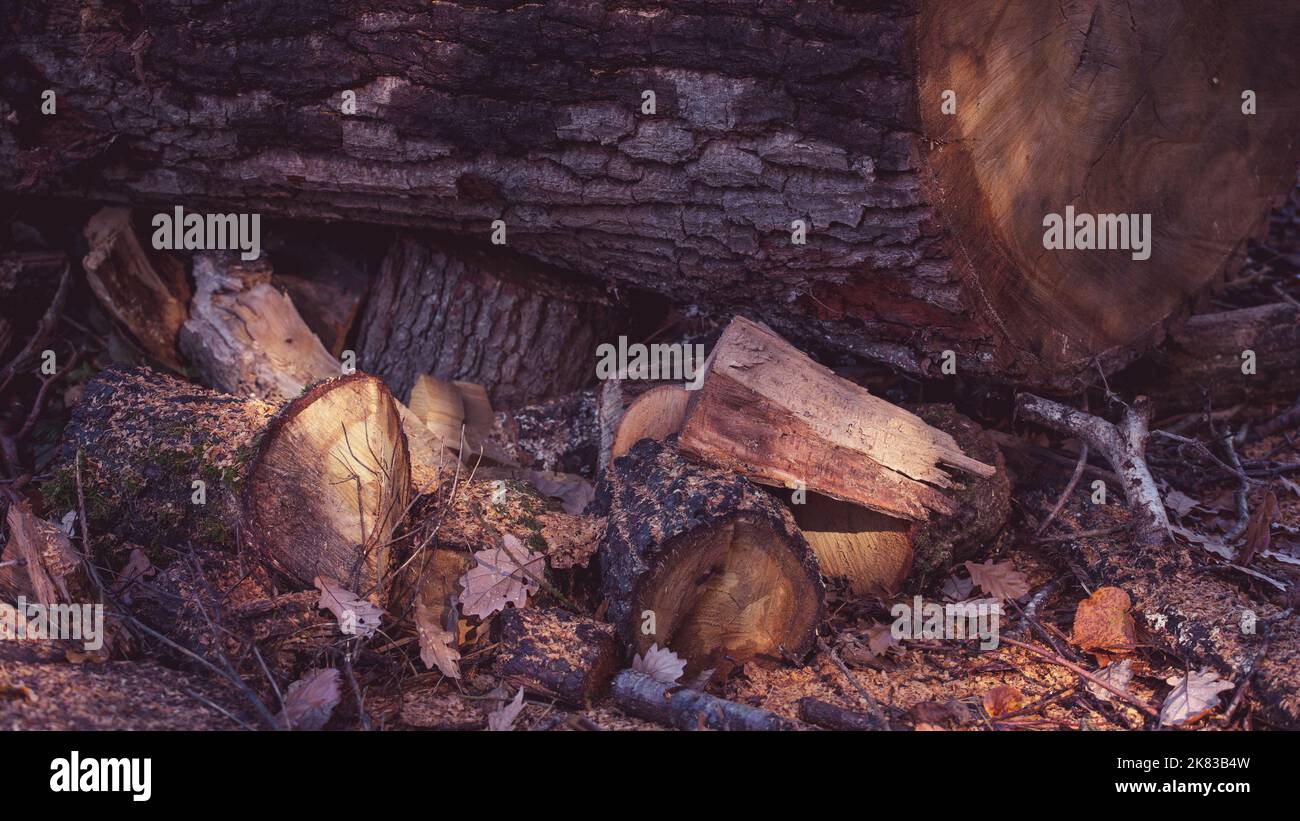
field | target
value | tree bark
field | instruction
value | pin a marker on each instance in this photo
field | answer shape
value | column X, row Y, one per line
column 924, row 227
column 703, row 562
column 1206, row 359
column 687, row 709
column 557, row 654
column 461, row 314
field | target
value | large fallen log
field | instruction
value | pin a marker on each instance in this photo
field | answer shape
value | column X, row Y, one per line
column 316, row 487
column 682, row 147
column 703, row 562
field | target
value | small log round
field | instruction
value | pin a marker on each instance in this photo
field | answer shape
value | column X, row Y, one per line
column 557, row 654
column 703, row 562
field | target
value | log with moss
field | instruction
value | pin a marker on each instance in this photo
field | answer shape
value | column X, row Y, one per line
column 315, row 487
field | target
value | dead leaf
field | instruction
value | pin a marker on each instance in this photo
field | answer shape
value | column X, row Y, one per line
column 1193, row 697
column 1000, row 580
column 1104, row 622
column 880, row 639
column 1258, row 529
column 356, row 616
column 503, row 719
column 958, row 588
column 137, row 567
column 1180, row 503
column 500, row 576
column 437, row 644
column 311, row 699
column 573, row 491
column 660, row 664
column 1117, row 675
column 1003, row 699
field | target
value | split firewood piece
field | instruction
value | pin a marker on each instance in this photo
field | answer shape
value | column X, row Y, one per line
column 557, row 654
column 46, row 569
column 656, row 414
column 877, row 554
column 522, row 330
column 147, row 293
column 687, row 709
column 703, row 562
column 440, row 406
column 768, row 411
column 317, row 486
column 246, row 337
column 1122, row 444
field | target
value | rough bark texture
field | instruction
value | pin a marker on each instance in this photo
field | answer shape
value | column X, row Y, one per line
column 765, row 113
column 718, row 561
column 557, row 654
column 479, row 317
column 561, row 434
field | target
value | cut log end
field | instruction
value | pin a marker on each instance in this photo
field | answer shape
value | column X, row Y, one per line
column 730, row 590
column 329, row 484
column 701, row 561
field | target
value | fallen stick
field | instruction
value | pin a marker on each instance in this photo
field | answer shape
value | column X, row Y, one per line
column 833, row 717
column 1122, row 444
column 686, row 709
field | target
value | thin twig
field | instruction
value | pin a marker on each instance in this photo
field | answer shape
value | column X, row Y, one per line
column 876, row 712
column 1069, row 665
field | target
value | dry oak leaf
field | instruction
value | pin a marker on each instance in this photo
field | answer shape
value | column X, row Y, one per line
column 502, row 575
column 660, row 664
column 503, row 720
column 437, row 643
column 1000, row 580
column 1193, row 696
column 1003, row 699
column 1117, row 675
column 1104, row 622
column 356, row 616
column 881, row 639
column 311, row 699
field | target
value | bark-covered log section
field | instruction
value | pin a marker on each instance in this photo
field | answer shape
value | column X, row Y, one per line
column 317, row 486
column 467, row 315
column 703, row 562
column 924, row 226
column 557, row 654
